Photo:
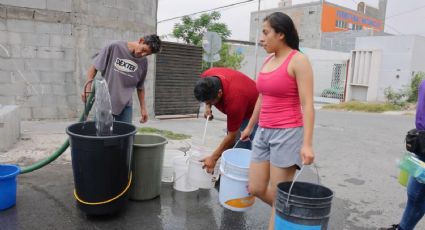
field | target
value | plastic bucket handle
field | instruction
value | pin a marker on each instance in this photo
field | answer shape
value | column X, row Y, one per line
column 237, row 142
column 292, row 184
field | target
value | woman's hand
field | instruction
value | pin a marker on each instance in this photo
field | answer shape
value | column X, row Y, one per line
column 307, row 155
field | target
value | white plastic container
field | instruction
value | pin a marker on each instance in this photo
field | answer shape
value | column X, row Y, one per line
column 180, row 179
column 167, row 166
column 199, row 177
column 234, row 170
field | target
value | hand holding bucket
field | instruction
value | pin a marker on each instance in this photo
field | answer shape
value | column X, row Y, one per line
column 302, row 204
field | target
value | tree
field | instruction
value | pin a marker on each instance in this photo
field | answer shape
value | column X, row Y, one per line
column 191, row 32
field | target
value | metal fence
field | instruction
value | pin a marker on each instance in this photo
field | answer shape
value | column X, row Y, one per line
column 337, row 84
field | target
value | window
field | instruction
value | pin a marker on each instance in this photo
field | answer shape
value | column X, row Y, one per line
column 341, row 24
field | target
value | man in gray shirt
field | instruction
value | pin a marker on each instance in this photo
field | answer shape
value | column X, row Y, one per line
column 124, row 66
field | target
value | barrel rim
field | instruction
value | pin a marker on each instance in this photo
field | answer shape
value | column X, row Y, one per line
column 164, row 142
column 302, row 197
column 229, row 150
column 10, row 175
column 72, row 134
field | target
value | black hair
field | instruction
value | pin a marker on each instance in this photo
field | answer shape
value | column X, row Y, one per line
column 282, row 23
column 153, row 42
column 207, row 88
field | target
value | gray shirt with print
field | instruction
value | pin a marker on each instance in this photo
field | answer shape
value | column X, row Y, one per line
column 122, row 71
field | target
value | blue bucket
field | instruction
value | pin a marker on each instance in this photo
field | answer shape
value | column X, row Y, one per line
column 8, row 175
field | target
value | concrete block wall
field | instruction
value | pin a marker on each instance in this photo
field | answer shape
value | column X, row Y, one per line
column 46, row 48
column 306, row 17
column 10, row 126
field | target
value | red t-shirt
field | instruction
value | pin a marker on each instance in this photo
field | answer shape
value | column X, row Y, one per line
column 239, row 95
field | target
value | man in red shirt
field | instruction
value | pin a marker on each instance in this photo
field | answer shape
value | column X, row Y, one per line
column 234, row 94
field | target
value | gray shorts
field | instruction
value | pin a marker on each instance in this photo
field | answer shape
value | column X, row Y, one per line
column 281, row 147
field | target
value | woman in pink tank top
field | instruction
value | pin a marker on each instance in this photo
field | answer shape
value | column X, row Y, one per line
column 284, row 111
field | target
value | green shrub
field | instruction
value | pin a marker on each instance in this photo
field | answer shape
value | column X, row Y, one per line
column 414, row 85
column 395, row 98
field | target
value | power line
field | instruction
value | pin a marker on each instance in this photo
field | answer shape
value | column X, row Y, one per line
column 405, row 12
column 203, row 11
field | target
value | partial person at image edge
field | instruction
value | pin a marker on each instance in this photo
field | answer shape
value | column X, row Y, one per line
column 415, row 208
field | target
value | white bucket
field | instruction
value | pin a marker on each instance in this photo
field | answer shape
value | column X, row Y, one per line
column 180, row 175
column 199, row 177
column 167, row 166
column 234, row 168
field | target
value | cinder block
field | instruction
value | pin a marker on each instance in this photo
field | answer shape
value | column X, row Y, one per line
column 14, row 38
column 38, row 64
column 15, row 25
column 5, row 77
column 50, row 53
column 44, row 112
column 125, row 5
column 67, row 29
column 38, row 4
column 12, row 89
column 63, row 66
column 2, row 24
column 44, row 89
column 59, row 5
column 111, row 3
column 53, row 16
column 28, row 51
column 4, row 37
column 59, row 90
column 69, row 54
column 52, row 77
column 25, row 113
column 11, row 64
column 7, row 100
column 30, row 77
column 68, row 112
column 10, row 126
column 35, row 39
column 62, row 41
column 48, row 28
column 19, row 13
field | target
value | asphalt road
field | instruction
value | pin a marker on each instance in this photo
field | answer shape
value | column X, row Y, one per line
column 356, row 157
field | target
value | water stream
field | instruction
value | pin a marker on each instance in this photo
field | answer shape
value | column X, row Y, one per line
column 103, row 109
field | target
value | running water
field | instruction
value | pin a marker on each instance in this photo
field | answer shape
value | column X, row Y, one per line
column 103, row 109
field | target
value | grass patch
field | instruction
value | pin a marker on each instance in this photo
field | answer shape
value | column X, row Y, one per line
column 364, row 107
column 165, row 133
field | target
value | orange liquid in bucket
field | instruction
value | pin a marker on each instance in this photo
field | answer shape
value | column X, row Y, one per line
column 241, row 202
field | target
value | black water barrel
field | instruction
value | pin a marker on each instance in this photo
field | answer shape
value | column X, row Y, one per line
column 307, row 206
column 101, row 166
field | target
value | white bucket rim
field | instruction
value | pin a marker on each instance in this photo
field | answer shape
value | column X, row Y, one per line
column 239, row 149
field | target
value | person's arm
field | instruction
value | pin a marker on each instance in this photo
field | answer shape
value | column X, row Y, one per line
column 91, row 73
column 143, row 110
column 304, row 77
column 226, row 143
column 253, row 120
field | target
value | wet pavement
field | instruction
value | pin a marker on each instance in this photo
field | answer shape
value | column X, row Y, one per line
column 356, row 154
column 45, row 201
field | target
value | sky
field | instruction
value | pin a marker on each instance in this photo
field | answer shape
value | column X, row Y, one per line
column 402, row 17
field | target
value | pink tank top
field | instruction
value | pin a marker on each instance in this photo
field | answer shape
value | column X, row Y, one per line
column 280, row 107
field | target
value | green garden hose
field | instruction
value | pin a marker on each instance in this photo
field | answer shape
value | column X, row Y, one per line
column 64, row 146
